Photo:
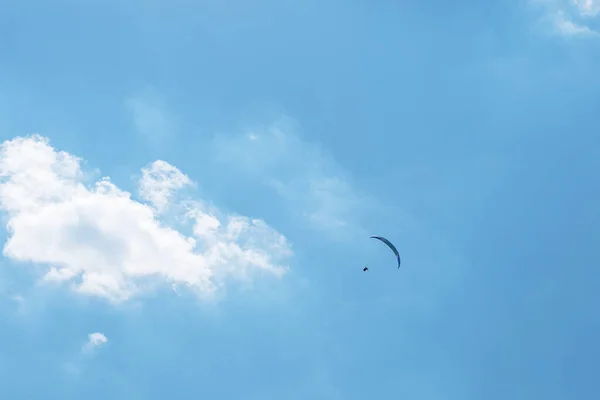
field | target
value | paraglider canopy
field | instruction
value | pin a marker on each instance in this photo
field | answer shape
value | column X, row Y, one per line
column 390, row 245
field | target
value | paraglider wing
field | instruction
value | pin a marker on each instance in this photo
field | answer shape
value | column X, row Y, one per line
column 390, row 245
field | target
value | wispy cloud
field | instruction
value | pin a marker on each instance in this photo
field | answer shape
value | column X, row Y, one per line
column 588, row 7
column 151, row 115
column 79, row 361
column 308, row 178
column 104, row 243
column 571, row 18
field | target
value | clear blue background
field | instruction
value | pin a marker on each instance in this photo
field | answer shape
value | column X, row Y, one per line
column 476, row 131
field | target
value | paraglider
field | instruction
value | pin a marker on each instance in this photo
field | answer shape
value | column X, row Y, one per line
column 390, row 245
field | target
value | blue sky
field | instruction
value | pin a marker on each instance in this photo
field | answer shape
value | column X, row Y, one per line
column 188, row 189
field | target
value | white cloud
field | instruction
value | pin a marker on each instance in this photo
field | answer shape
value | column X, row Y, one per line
column 104, row 243
column 301, row 172
column 571, row 18
column 587, row 7
column 95, row 340
column 567, row 27
column 159, row 182
column 151, row 115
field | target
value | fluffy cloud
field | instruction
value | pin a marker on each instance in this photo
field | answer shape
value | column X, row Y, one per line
column 302, row 173
column 94, row 341
column 104, row 243
column 159, row 182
